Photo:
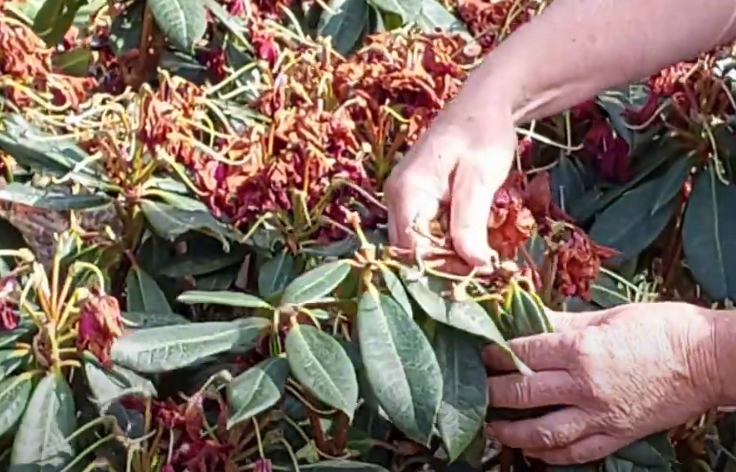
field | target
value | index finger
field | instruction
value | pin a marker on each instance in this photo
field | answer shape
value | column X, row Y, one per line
column 547, row 351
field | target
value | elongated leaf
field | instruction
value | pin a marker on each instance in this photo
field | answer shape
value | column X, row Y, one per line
column 167, row 348
column 226, row 298
column 138, row 320
column 408, row 10
column 183, row 22
column 24, row 330
column 227, row 20
column 195, row 265
column 11, row 360
column 526, row 313
column 653, row 451
column 321, row 365
column 170, row 222
column 671, row 183
column 464, row 398
column 435, row 17
column 426, row 291
column 275, row 274
column 54, row 19
column 144, row 294
column 344, row 21
column 74, row 62
column 109, row 385
column 401, row 366
column 469, row 316
column 315, row 284
column 51, row 200
column 396, row 289
column 14, row 395
column 709, row 235
column 41, row 443
column 342, row 466
column 257, row 389
column 10, row 238
column 629, row 225
column 125, row 30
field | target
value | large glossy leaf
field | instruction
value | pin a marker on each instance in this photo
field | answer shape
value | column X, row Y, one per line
column 344, row 22
column 144, row 294
column 566, row 181
column 51, row 200
column 183, row 22
column 653, row 451
column 11, row 360
column 257, row 389
column 321, row 365
column 316, row 284
column 408, row 10
column 125, row 30
column 426, row 290
column 42, row 442
column 464, row 398
column 396, row 289
column 10, row 238
column 74, row 62
column 39, row 151
column 236, row 299
column 14, row 395
column 138, row 320
column 435, row 17
column 342, row 466
column 400, row 365
column 167, row 348
column 170, row 222
column 709, row 235
column 109, row 385
column 629, row 225
column 54, row 19
column 275, row 274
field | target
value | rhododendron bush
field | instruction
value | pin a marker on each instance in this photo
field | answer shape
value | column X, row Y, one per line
column 224, row 296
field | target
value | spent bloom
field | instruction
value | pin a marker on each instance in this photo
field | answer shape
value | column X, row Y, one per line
column 100, row 324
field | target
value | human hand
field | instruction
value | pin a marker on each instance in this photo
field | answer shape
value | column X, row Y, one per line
column 459, row 162
column 622, row 374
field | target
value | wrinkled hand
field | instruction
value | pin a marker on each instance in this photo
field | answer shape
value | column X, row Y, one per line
column 623, row 373
column 452, row 164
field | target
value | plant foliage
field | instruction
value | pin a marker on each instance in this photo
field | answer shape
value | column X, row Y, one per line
column 224, row 297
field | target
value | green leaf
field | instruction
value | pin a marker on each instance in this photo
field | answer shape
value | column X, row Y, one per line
column 183, row 22
column 629, row 225
column 125, row 30
column 192, row 265
column 396, row 289
column 709, row 235
column 408, row 10
column 42, row 152
column 144, row 294
column 41, row 443
column 465, row 397
column 227, row 20
column 671, row 183
column 10, row 238
column 342, row 466
column 315, row 284
column 526, row 312
column 426, row 291
column 652, row 451
column 344, row 21
column 566, row 182
column 109, row 385
column 74, row 62
column 54, row 19
column 168, row 348
column 25, row 328
column 138, row 320
column 51, row 200
column 400, row 365
column 14, row 395
column 236, row 299
column 469, row 316
column 11, row 360
column 321, row 365
column 170, row 222
column 434, row 17
column 275, row 274
column 257, row 389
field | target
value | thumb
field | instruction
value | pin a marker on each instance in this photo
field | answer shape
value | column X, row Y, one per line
column 476, row 179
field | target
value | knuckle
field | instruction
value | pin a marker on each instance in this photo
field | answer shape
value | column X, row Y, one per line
column 545, row 438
